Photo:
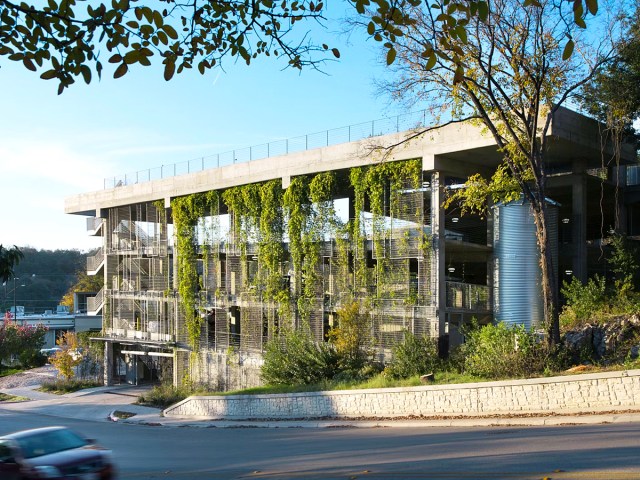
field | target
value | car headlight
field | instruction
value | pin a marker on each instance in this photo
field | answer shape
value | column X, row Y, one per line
column 47, row 471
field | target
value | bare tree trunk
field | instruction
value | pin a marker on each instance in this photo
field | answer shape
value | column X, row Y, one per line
column 549, row 282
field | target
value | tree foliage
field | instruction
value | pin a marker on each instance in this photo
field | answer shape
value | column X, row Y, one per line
column 9, row 258
column 84, row 283
column 46, row 276
column 352, row 336
column 68, row 357
column 614, row 95
column 21, row 343
column 67, row 39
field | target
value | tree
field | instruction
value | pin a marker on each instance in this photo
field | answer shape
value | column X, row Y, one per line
column 509, row 73
column 64, row 39
column 68, row 357
column 352, row 336
column 9, row 258
column 22, row 342
column 84, row 283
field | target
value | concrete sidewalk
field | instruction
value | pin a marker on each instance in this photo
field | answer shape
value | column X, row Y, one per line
column 109, row 403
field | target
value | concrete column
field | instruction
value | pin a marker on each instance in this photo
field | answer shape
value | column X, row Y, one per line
column 438, row 232
column 108, row 363
column 490, row 258
column 579, row 222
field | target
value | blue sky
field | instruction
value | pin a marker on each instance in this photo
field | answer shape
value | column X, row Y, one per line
column 52, row 147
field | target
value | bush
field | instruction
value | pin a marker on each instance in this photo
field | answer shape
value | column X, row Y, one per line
column 69, row 357
column 502, row 351
column 20, row 342
column 32, row 359
column 352, row 337
column 295, row 359
column 61, row 387
column 163, row 396
column 415, row 355
column 583, row 302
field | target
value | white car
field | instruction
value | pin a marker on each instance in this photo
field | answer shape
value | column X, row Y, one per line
column 48, row 352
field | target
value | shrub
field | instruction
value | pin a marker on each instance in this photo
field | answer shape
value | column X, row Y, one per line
column 20, row 342
column 62, row 386
column 502, row 351
column 294, row 358
column 32, row 359
column 163, row 396
column 583, row 302
column 352, row 337
column 415, row 355
column 69, row 357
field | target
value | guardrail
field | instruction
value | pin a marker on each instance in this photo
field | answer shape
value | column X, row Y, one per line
column 95, row 303
column 94, row 261
column 325, row 138
column 468, row 296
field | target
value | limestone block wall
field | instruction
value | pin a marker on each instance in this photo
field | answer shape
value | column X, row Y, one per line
column 577, row 393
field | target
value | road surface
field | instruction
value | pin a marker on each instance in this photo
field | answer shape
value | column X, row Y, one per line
column 565, row 452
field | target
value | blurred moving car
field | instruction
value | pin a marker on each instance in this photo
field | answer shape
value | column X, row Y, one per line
column 53, row 452
column 47, row 352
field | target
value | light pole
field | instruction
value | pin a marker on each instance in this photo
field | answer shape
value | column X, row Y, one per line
column 15, row 307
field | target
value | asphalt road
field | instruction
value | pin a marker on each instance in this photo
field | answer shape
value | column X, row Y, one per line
column 566, row 452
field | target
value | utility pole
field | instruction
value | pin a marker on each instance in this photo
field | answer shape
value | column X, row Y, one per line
column 15, row 307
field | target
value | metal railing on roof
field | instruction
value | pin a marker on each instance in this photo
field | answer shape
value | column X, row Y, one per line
column 350, row 133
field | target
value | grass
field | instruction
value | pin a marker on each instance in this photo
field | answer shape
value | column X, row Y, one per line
column 5, row 397
column 163, row 396
column 123, row 415
column 60, row 387
column 5, row 372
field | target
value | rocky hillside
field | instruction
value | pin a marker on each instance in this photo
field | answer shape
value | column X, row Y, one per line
column 615, row 341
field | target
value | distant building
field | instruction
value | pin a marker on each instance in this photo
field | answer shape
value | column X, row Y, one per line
column 247, row 270
column 58, row 322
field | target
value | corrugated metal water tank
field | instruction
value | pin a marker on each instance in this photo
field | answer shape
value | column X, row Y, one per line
column 517, row 275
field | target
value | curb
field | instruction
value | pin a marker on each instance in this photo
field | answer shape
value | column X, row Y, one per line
column 460, row 423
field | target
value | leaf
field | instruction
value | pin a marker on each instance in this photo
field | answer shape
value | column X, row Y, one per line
column 336, row 52
column 592, row 6
column 48, row 75
column 121, row 70
column 170, row 69
column 371, row 28
column 29, row 64
column 462, row 33
column 568, row 50
column 86, row 74
column 391, row 56
column 432, row 61
column 169, row 30
column 115, row 59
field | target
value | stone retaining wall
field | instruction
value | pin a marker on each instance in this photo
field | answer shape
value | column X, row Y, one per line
column 577, row 393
